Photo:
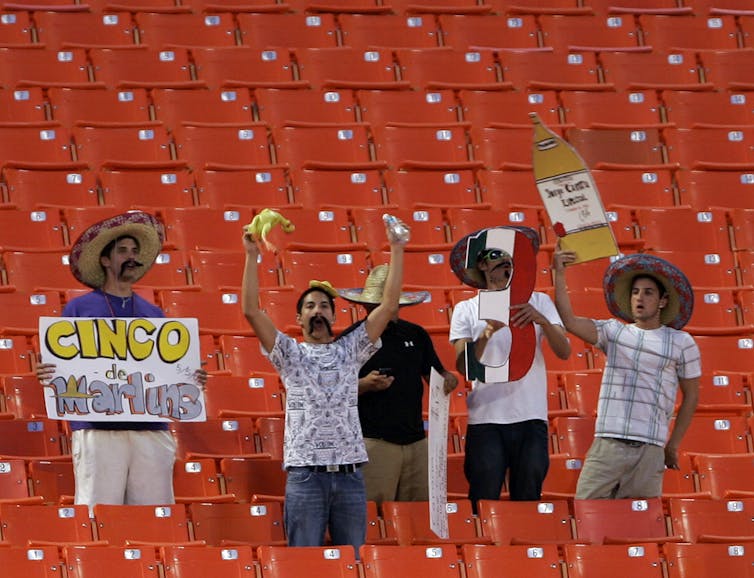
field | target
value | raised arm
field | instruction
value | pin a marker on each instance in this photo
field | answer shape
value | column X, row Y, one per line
column 258, row 319
column 582, row 327
column 381, row 315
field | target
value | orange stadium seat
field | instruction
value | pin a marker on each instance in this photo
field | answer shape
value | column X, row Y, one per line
column 746, row 264
column 97, row 104
column 509, row 522
column 203, row 144
column 79, row 219
column 280, row 306
column 483, row 107
column 15, row 355
column 219, row 269
column 704, row 520
column 41, row 523
column 174, row 106
column 379, row 107
column 599, row 33
column 23, row 307
column 242, row 355
column 277, row 107
column 619, row 521
column 562, row 477
column 82, row 561
column 427, row 226
column 425, row 267
column 636, row 187
column 243, row 66
column 233, row 395
column 463, row 31
column 703, row 268
column 431, row 145
column 16, row 28
column 438, row 7
column 13, row 484
column 22, row 104
column 588, row 109
column 665, row 33
column 448, row 68
column 724, row 393
column 303, row 145
column 196, row 480
column 433, row 315
column 410, row 521
column 190, row 228
column 58, row 30
column 342, row 269
column 729, row 353
column 46, row 142
column 485, row 561
column 743, row 232
column 215, row 438
column 352, row 186
column 270, row 432
column 97, row 143
column 581, row 389
column 690, row 109
column 31, row 561
column 249, row 477
column 225, row 187
column 509, row 189
column 689, row 225
column 713, row 147
column 141, row 66
column 573, row 434
column 36, row 66
column 728, row 69
column 676, row 70
column 743, row 18
column 388, row 30
column 640, row 560
column 315, row 562
column 708, row 560
column 382, row 561
column 635, row 148
column 545, row 70
column 36, row 230
column 726, row 475
column 463, row 221
column 716, row 312
column 24, row 396
column 705, row 189
column 119, row 524
column 716, row 434
column 254, row 524
column 637, row 7
column 195, row 562
column 218, row 312
column 160, row 30
column 348, row 67
column 260, row 30
column 170, row 271
column 326, row 229
column 439, row 188
column 156, row 185
column 501, row 146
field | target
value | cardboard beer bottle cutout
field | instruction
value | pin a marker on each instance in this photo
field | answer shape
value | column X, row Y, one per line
column 570, row 196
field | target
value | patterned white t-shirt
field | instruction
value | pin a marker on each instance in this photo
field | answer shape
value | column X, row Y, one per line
column 322, row 384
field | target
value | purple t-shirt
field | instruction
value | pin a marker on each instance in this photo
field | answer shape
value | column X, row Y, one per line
column 103, row 305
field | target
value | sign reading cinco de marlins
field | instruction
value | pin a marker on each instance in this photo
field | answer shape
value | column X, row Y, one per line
column 122, row 369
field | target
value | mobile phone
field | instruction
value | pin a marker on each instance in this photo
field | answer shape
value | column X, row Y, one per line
column 385, row 370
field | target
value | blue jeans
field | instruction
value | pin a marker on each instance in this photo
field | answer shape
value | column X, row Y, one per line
column 521, row 448
column 320, row 501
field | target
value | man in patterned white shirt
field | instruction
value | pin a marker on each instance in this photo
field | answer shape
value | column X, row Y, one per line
column 323, row 443
column 647, row 360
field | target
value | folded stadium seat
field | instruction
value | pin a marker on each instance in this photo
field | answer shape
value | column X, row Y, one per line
column 215, row 438
column 243, row 355
column 598, row 33
column 306, row 145
column 665, row 33
column 30, row 438
column 536, row 7
column 114, row 561
column 170, row 271
column 15, row 355
column 730, row 353
column 98, row 104
column 433, row 315
column 427, row 226
column 315, row 562
column 174, row 106
column 383, row 561
column 44, row 142
column 707, row 560
column 190, row 561
column 447, row 354
column 23, row 396
column 228, row 187
column 449, row 68
column 41, row 523
column 16, row 28
column 439, row 188
column 705, row 520
column 544, row 69
column 97, row 143
column 745, row 261
column 411, row 523
column 255, row 524
column 160, row 30
column 123, row 524
column 704, row 189
column 240, row 144
column 23, row 307
column 342, row 269
column 638, row 7
column 426, row 267
column 637, row 560
column 501, row 146
column 147, row 184
column 675, row 70
column 485, row 561
column 507, row 522
column 632, row 109
column 37, row 561
column 36, row 230
column 40, row 67
column 424, row 146
column 745, row 301
column 58, row 30
column 22, row 105
column 562, row 477
column 688, row 227
column 620, row 521
column 703, row 268
column 484, row 107
column 270, row 433
column 573, row 435
column 379, row 107
column 218, row 312
column 715, row 148
column 52, row 480
column 464, row 31
column 230, row 5
column 280, row 306
column 79, row 218
column 726, row 476
column 463, row 221
column 716, row 434
column 13, row 484
column 241, row 66
column 220, row 269
column 276, row 107
column 716, row 312
column 104, row 5
column 233, row 395
column 296, row 30
column 723, row 393
column 437, row 7
column 689, row 109
column 636, row 187
column 503, row 189
column 745, row 23
column 623, row 148
column 352, row 186
column 388, row 30
column 254, row 478
column 142, row 67
column 728, row 69
column 348, row 67
column 190, row 228
column 581, row 389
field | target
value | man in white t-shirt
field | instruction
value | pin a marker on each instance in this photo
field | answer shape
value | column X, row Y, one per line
column 648, row 358
column 507, row 429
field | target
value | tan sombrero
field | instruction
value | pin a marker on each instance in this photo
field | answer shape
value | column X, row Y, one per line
column 85, row 254
column 374, row 286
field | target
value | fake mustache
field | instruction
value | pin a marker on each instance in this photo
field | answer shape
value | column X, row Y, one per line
column 130, row 264
column 323, row 320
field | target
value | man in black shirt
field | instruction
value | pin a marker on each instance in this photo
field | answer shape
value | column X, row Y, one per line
column 390, row 399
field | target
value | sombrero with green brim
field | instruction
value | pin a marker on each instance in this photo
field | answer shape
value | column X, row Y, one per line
column 86, row 251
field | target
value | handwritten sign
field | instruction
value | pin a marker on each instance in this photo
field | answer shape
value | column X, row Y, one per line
column 122, row 369
column 439, row 409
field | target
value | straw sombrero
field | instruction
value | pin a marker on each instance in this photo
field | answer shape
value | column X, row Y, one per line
column 85, row 254
column 373, row 287
column 619, row 279
column 471, row 275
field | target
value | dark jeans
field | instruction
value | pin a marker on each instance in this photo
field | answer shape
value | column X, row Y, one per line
column 521, row 448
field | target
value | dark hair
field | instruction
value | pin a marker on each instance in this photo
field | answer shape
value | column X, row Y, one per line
column 300, row 302
column 655, row 280
column 107, row 249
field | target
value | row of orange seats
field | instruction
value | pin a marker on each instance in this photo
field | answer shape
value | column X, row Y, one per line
column 160, row 28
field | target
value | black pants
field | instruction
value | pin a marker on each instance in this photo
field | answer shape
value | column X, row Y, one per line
column 520, row 448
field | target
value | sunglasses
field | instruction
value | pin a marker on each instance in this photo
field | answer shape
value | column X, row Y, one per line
column 491, row 255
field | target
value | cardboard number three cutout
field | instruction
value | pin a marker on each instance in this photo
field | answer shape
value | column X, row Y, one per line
column 496, row 305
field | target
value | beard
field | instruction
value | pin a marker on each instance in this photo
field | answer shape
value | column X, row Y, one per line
column 319, row 319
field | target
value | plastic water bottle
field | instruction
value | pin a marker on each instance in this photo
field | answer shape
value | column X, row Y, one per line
column 401, row 231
